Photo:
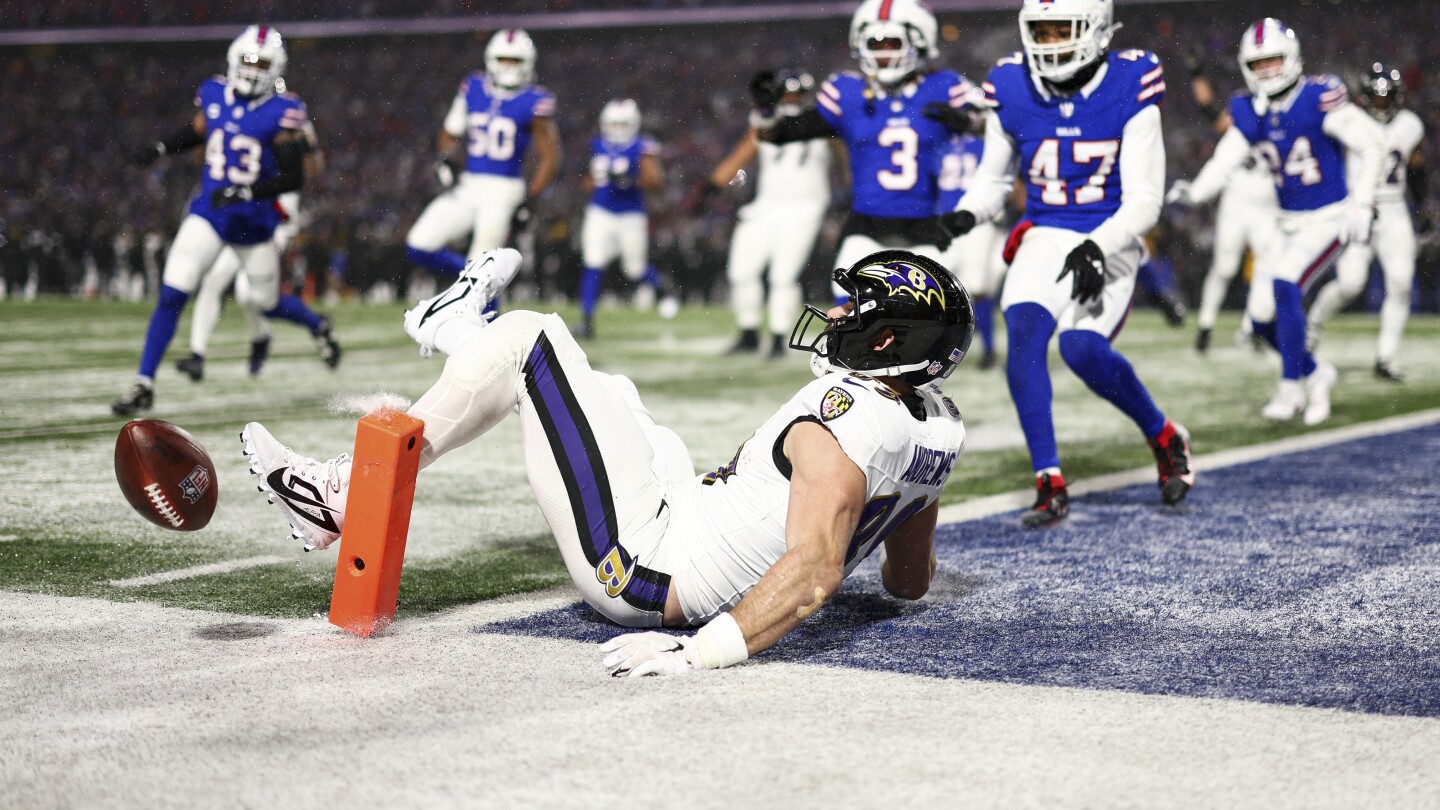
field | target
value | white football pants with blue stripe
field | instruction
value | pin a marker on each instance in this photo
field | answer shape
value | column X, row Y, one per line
column 601, row 469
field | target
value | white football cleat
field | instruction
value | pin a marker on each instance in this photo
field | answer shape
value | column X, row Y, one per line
column 1288, row 402
column 460, row 310
column 311, row 493
column 669, row 307
column 1317, row 389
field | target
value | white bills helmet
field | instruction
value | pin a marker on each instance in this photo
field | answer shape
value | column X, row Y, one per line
column 257, row 61
column 620, row 121
column 892, row 38
column 1091, row 24
column 1265, row 40
column 510, row 59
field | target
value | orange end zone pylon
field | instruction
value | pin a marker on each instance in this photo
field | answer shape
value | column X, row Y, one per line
column 377, row 519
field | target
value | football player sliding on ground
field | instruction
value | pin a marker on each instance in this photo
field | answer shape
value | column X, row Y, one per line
column 497, row 116
column 624, row 165
column 1084, row 123
column 255, row 147
column 1402, row 175
column 1303, row 125
column 895, row 119
column 857, row 458
column 291, row 307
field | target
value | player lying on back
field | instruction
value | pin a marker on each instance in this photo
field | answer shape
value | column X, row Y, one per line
column 1302, row 125
column 254, row 152
column 1403, row 183
column 895, row 119
column 857, row 458
column 1083, row 122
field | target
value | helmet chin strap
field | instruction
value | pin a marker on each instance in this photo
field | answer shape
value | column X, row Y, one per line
column 1080, row 79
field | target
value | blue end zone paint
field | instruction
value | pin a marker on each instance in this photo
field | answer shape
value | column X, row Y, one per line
column 1309, row 579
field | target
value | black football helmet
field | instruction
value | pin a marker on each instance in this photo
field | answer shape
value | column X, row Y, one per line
column 1381, row 91
column 930, row 312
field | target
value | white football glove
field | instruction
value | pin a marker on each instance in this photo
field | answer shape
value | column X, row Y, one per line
column 1179, row 194
column 636, row 654
column 1358, row 225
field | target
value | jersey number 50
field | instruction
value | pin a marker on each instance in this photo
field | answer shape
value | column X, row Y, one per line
column 491, row 136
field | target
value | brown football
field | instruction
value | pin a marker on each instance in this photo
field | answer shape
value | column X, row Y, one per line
column 166, row 474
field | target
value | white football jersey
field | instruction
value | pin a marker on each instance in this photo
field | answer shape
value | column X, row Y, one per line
column 1402, row 135
column 729, row 528
column 799, row 170
column 1252, row 183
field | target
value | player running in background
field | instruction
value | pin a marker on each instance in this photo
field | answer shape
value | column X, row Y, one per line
column 624, row 165
column 895, row 119
column 1084, row 123
column 254, row 151
column 1302, row 125
column 1244, row 218
column 975, row 257
column 1382, row 95
column 497, row 116
column 206, row 313
column 855, row 459
column 776, row 230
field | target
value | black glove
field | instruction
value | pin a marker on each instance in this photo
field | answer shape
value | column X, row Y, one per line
column 1086, row 267
column 446, row 172
column 230, row 195
column 146, row 155
column 1194, row 58
column 521, row 219
column 623, row 181
column 953, row 226
column 766, row 89
column 956, row 120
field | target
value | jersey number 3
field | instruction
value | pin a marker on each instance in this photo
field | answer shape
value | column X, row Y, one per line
column 904, row 146
column 1045, row 171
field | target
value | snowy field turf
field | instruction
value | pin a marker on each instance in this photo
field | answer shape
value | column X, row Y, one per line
column 1273, row 642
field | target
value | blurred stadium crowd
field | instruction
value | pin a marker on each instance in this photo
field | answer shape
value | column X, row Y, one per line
column 76, row 217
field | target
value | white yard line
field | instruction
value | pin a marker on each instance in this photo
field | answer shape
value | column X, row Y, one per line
column 1019, row 499
column 199, row 571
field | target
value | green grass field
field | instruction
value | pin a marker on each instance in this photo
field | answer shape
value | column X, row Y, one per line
column 65, row 528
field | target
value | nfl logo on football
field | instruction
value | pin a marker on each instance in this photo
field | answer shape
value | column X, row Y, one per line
column 195, row 484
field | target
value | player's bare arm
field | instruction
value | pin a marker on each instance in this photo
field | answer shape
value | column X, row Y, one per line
column 827, row 493
column 910, row 555
column 741, row 156
column 545, row 140
column 652, row 174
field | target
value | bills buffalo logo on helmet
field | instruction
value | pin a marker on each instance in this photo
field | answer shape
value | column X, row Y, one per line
column 195, row 484
column 836, row 402
column 904, row 277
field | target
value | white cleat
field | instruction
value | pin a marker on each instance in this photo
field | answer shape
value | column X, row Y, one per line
column 669, row 307
column 1317, row 389
column 311, row 493
column 1288, row 402
column 461, row 308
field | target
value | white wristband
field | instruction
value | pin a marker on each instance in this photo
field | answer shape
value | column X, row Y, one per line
column 721, row 643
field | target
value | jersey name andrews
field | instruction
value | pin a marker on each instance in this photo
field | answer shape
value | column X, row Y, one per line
column 1070, row 146
column 1308, row 165
column 894, row 148
column 929, row 468
column 497, row 126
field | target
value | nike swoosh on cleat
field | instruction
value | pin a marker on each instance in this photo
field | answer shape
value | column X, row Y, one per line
column 326, row 521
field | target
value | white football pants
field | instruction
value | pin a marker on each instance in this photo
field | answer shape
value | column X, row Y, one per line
column 779, row 235
column 1240, row 222
column 606, row 236
column 479, row 204
column 197, row 246
column 1041, row 258
column 1304, row 246
column 205, row 314
column 1393, row 243
column 602, row 470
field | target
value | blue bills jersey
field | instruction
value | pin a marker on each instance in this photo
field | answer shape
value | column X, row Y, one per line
column 958, row 164
column 1308, row 165
column 1069, row 147
column 615, row 170
column 497, row 125
column 894, row 149
column 240, row 151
